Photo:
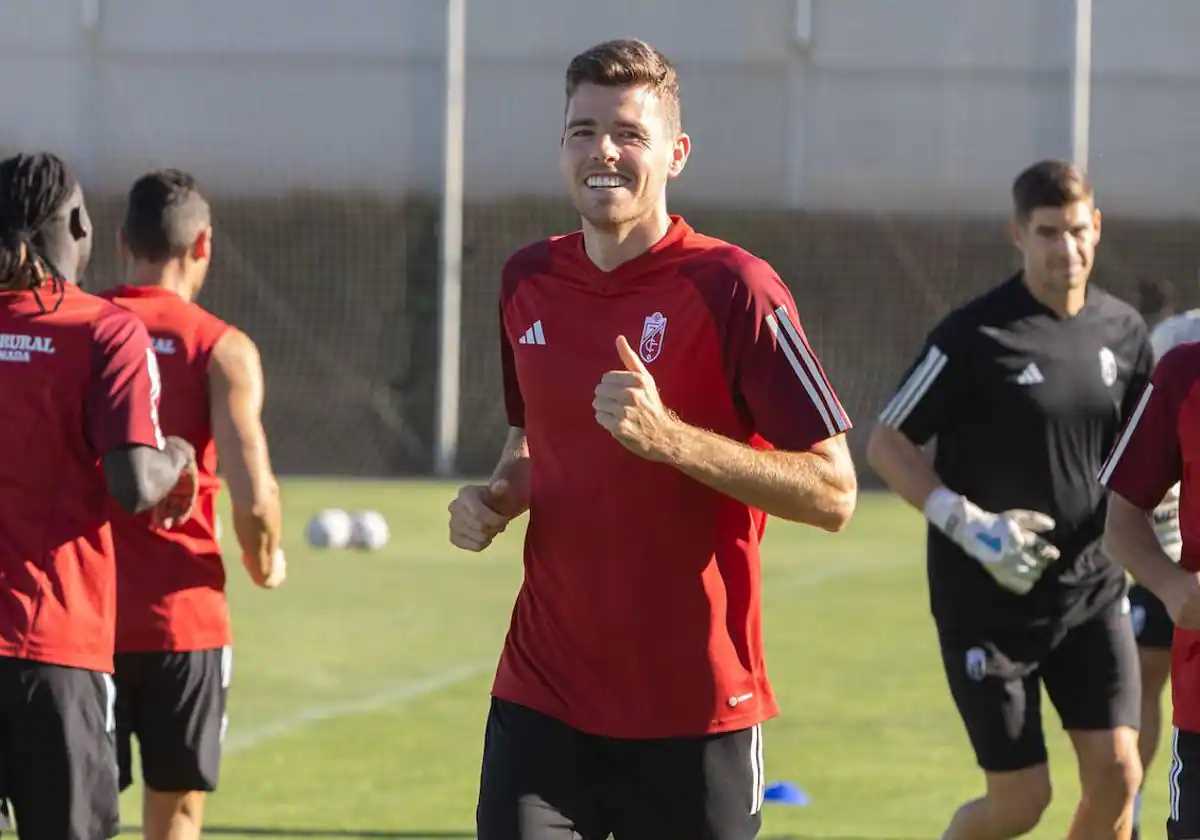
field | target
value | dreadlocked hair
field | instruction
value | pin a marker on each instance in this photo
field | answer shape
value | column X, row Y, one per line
column 32, row 188
column 17, row 262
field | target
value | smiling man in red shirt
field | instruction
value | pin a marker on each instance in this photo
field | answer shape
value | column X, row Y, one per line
column 663, row 400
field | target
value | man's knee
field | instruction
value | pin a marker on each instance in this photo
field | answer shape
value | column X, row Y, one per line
column 1114, row 778
column 1019, row 805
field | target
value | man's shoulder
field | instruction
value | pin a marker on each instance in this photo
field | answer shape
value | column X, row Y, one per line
column 537, row 258
column 103, row 315
column 1180, row 367
column 731, row 268
column 1112, row 308
column 991, row 309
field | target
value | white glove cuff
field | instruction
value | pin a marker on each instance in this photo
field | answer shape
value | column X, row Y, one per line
column 941, row 506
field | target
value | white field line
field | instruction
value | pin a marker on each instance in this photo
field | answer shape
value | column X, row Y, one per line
column 390, row 696
column 411, row 690
column 812, row 577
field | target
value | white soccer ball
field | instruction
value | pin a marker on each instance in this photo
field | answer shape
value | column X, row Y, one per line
column 369, row 530
column 329, row 528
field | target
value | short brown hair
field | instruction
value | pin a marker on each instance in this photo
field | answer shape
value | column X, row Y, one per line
column 1049, row 183
column 628, row 62
column 166, row 212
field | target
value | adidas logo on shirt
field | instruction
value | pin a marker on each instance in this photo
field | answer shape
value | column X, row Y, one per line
column 533, row 335
column 1030, row 375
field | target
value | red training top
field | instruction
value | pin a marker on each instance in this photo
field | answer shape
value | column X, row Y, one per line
column 1160, row 446
column 639, row 615
column 171, row 584
column 77, row 383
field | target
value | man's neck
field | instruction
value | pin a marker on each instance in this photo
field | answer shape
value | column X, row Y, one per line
column 1065, row 303
column 609, row 248
column 145, row 274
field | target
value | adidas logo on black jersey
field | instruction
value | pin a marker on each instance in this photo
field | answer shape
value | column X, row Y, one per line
column 1030, row 375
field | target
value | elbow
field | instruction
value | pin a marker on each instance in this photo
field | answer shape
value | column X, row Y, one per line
column 875, row 446
column 839, row 508
column 834, row 505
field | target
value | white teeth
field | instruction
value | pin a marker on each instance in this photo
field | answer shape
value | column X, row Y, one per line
column 604, row 181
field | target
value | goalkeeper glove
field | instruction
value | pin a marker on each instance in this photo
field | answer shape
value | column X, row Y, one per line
column 1166, row 524
column 1006, row 544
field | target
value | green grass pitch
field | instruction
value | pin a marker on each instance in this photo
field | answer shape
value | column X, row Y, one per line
column 360, row 688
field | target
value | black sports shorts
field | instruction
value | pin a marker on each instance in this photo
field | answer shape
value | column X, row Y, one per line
column 543, row 780
column 1152, row 625
column 174, row 702
column 58, row 767
column 1090, row 673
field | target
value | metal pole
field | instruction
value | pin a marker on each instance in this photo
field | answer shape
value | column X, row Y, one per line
column 1081, row 83
column 450, row 285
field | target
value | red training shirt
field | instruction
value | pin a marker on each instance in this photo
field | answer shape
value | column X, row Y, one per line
column 171, row 584
column 639, row 615
column 77, row 383
column 1159, row 447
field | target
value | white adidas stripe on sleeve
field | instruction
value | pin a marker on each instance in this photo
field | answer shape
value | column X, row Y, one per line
column 1115, row 456
column 834, row 419
column 835, row 408
column 914, row 388
column 801, row 374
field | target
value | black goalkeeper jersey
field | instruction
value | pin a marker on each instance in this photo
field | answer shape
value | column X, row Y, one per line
column 1025, row 406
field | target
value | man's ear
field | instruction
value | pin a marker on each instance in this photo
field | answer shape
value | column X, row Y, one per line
column 202, row 244
column 78, row 231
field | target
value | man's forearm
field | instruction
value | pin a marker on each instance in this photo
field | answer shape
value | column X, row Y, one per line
column 817, row 487
column 138, row 477
column 1129, row 539
column 514, row 456
column 258, row 526
column 902, row 465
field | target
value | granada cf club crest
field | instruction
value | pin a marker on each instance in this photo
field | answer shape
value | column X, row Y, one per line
column 1108, row 366
column 652, row 337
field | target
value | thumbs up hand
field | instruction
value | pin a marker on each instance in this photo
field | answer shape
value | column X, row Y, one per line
column 628, row 405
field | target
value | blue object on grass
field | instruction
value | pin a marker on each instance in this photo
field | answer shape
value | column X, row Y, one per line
column 785, row 793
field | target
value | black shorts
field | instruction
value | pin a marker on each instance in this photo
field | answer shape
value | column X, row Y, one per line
column 57, row 763
column 1152, row 625
column 543, row 780
column 1090, row 673
column 1183, row 791
column 174, row 702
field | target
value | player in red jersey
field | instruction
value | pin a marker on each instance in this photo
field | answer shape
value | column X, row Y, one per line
column 174, row 654
column 1159, row 447
column 663, row 400
column 78, row 423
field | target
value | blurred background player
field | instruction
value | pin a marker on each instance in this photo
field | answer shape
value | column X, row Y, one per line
column 79, row 423
column 1147, row 461
column 1151, row 622
column 174, row 659
column 1025, row 388
column 646, row 368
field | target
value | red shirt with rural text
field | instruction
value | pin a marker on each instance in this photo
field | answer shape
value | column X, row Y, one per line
column 78, row 382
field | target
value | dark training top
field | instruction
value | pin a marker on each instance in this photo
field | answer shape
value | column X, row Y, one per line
column 1025, row 407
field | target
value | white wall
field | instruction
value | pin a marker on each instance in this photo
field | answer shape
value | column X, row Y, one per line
column 925, row 105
